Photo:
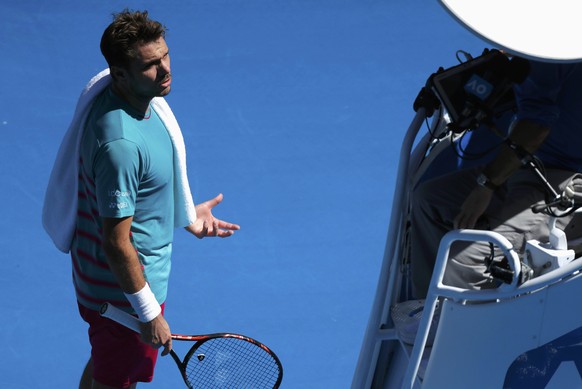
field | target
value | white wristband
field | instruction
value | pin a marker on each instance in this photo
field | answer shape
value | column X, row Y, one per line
column 144, row 304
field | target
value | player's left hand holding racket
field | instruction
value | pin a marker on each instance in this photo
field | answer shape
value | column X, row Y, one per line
column 217, row 360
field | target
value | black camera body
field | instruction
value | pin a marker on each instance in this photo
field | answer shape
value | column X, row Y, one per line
column 478, row 90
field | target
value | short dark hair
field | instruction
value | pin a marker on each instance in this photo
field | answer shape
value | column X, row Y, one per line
column 128, row 29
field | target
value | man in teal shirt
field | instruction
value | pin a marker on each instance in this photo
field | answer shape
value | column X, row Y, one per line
column 123, row 241
column 125, row 171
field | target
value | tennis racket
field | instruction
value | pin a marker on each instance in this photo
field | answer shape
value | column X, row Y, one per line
column 219, row 360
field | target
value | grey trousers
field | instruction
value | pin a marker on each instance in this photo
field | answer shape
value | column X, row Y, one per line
column 435, row 204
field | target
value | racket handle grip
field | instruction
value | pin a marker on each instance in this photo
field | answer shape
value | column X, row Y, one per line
column 112, row 312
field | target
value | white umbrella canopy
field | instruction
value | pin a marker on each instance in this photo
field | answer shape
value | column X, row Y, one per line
column 547, row 30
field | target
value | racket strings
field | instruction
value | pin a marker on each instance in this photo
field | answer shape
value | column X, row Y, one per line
column 231, row 363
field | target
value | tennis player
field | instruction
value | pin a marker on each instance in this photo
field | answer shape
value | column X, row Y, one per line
column 123, row 240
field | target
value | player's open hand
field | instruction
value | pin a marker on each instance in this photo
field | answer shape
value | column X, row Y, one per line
column 207, row 225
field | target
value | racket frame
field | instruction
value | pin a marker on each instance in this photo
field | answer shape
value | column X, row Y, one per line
column 112, row 312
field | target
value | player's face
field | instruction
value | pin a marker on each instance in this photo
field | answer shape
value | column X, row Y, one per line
column 149, row 74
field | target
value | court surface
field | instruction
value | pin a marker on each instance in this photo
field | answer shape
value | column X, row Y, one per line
column 294, row 109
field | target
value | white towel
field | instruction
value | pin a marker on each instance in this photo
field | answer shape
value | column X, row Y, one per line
column 59, row 212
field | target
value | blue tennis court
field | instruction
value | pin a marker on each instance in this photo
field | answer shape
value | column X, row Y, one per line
column 293, row 109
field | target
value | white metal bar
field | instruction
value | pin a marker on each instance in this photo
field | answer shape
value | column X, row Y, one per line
column 371, row 344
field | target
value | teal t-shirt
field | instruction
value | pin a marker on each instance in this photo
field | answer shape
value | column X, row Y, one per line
column 126, row 169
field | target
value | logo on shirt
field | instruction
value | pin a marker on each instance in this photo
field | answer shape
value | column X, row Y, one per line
column 117, row 201
column 120, row 205
column 119, row 193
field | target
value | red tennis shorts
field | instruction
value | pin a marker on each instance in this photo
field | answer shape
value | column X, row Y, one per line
column 120, row 358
